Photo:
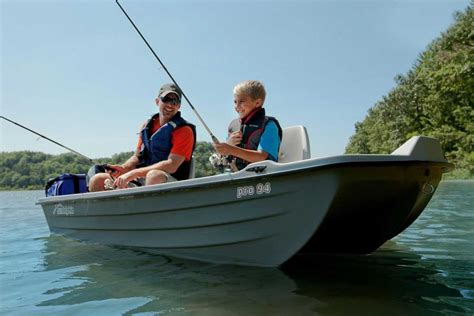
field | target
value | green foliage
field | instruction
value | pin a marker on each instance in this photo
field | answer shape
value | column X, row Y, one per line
column 31, row 170
column 435, row 98
column 201, row 156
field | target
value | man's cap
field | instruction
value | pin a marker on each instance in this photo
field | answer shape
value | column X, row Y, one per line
column 169, row 88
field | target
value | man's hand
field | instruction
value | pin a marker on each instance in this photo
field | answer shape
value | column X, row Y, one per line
column 122, row 181
column 114, row 170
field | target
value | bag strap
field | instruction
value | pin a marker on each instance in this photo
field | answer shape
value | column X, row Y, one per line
column 49, row 184
column 76, row 183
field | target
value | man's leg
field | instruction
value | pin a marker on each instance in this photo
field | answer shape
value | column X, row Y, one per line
column 158, row 176
column 96, row 183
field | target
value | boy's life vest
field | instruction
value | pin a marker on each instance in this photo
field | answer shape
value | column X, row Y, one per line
column 157, row 147
column 252, row 128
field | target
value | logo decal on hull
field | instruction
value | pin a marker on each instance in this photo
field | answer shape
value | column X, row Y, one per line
column 427, row 188
column 60, row 209
column 259, row 189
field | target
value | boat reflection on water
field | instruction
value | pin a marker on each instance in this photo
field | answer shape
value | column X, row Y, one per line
column 391, row 281
column 156, row 283
column 118, row 280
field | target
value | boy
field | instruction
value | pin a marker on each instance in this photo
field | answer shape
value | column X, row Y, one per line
column 253, row 136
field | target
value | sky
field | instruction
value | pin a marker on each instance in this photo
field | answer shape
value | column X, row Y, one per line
column 77, row 72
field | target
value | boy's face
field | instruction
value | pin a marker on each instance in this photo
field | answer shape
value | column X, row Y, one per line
column 244, row 104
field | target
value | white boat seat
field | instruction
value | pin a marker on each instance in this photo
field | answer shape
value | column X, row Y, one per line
column 294, row 145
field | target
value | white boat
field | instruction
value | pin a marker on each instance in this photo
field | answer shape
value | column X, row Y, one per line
column 268, row 212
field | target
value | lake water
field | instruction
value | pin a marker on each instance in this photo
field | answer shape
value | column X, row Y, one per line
column 427, row 270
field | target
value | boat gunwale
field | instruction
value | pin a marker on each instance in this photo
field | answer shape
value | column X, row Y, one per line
column 243, row 175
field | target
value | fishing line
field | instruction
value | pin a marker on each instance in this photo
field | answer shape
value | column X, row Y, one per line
column 47, row 138
column 214, row 138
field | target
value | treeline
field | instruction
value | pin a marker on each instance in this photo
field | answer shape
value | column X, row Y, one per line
column 435, row 98
column 29, row 170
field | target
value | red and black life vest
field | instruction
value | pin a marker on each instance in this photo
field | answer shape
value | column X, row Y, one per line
column 252, row 128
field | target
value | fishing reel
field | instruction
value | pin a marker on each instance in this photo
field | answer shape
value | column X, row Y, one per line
column 223, row 163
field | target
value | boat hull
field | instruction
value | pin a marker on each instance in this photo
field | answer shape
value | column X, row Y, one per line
column 373, row 204
column 258, row 219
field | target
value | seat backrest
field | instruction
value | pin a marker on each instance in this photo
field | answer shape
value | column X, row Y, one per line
column 294, row 145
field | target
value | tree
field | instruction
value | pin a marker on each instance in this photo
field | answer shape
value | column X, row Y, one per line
column 435, row 98
column 31, row 170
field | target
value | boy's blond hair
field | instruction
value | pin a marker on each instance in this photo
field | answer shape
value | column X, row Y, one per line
column 252, row 88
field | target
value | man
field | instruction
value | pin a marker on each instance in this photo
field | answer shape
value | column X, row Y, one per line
column 164, row 149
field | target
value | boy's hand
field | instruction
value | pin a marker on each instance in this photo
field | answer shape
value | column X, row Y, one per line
column 235, row 138
column 224, row 149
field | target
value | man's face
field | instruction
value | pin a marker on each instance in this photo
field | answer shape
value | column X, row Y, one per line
column 244, row 105
column 169, row 105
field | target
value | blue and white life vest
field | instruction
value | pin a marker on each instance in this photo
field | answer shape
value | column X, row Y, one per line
column 156, row 147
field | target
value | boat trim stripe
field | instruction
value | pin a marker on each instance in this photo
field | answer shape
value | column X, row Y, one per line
column 177, row 228
column 193, row 208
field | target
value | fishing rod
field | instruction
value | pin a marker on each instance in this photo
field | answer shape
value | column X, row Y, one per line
column 47, row 138
column 214, row 138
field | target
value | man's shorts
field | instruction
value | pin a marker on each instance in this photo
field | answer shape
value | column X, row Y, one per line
column 108, row 184
column 141, row 181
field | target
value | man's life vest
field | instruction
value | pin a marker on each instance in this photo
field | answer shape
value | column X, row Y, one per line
column 252, row 128
column 157, row 147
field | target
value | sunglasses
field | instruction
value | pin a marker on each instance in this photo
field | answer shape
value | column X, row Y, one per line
column 170, row 101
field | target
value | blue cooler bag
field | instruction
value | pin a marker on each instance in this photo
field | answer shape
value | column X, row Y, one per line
column 66, row 184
